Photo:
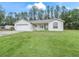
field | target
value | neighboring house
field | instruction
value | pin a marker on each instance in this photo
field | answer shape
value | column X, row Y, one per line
column 50, row 25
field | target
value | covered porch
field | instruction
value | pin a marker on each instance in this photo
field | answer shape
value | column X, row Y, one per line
column 42, row 26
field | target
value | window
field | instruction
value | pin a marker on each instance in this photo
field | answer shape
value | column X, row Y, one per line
column 55, row 25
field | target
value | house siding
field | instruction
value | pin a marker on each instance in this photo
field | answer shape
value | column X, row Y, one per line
column 60, row 26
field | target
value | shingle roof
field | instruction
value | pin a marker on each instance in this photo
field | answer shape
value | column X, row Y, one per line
column 44, row 21
column 38, row 21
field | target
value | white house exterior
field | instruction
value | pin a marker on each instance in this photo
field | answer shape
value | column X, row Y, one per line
column 56, row 25
column 50, row 25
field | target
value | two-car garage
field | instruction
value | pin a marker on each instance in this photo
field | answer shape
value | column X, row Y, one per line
column 23, row 26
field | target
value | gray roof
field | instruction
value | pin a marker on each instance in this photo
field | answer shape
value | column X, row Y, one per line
column 37, row 21
column 44, row 21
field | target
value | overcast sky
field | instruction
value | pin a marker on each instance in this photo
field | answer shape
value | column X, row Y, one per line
column 23, row 6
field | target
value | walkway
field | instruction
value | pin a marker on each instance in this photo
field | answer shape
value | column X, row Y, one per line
column 3, row 33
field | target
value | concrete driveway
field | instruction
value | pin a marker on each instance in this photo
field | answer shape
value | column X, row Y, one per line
column 3, row 33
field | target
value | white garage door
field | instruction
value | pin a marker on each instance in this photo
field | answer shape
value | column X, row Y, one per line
column 22, row 27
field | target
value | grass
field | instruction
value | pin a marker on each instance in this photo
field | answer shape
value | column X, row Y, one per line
column 42, row 43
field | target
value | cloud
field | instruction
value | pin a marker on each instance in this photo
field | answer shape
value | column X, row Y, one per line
column 68, row 8
column 76, row 8
column 29, row 6
column 38, row 5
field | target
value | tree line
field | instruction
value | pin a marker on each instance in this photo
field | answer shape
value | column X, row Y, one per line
column 71, row 17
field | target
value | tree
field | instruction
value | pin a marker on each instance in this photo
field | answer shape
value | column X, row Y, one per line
column 45, row 14
column 2, row 15
column 48, row 12
column 10, row 19
column 63, row 11
column 30, row 14
column 40, row 14
column 57, row 11
column 17, row 16
column 71, row 18
column 52, row 12
column 34, row 12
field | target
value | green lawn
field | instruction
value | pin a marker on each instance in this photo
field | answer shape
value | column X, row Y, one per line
column 41, row 43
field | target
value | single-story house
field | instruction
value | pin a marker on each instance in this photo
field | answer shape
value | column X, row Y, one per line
column 50, row 25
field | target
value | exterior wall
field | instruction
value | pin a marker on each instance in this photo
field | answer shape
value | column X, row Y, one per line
column 60, row 26
column 23, row 26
